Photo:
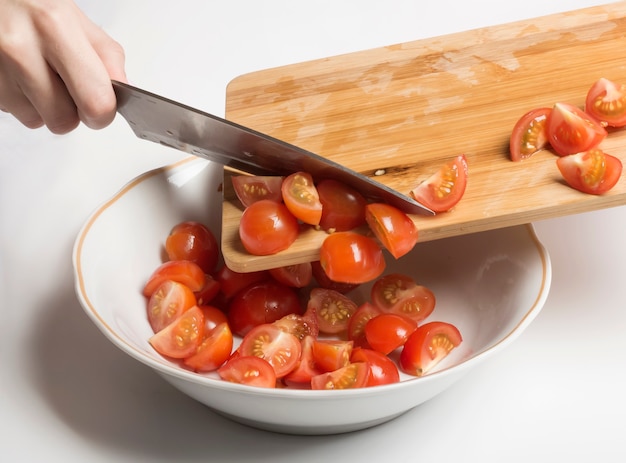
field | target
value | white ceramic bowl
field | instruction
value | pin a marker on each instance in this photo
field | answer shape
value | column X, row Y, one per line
column 491, row 285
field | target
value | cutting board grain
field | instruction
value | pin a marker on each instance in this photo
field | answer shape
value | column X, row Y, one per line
column 407, row 108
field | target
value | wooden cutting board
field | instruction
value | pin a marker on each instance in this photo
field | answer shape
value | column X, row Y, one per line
column 407, row 108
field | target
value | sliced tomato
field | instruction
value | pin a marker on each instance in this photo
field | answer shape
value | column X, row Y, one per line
column 594, row 171
column 195, row 242
column 267, row 227
column 400, row 294
column 393, row 228
column 383, row 370
column 324, row 281
column 445, row 188
column 343, row 208
column 331, row 354
column 213, row 351
column 352, row 376
column 232, row 282
column 209, row 291
column 571, row 130
column 182, row 337
column 305, row 370
column 606, row 102
column 427, row 346
column 182, row 271
column 282, row 350
column 356, row 325
column 252, row 188
column 301, row 197
column 168, row 302
column 349, row 257
column 212, row 317
column 248, row 370
column 332, row 309
column 529, row 134
column 296, row 276
column 300, row 325
column 388, row 331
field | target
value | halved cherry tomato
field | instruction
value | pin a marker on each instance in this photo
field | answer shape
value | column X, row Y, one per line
column 393, row 228
column 324, row 282
column 267, row 227
column 213, row 351
column 332, row 309
column 343, row 208
column 445, row 188
column 252, row 188
column 182, row 337
column 388, row 331
column 168, row 302
column 350, row 257
column 400, row 294
column 606, row 102
column 352, row 376
column 383, row 370
column 232, row 282
column 331, row 354
column 212, row 317
column 594, row 171
column 427, row 346
column 300, row 325
column 529, row 134
column 356, row 325
column 195, row 242
column 301, row 197
column 571, row 130
column 296, row 276
column 248, row 370
column 282, row 350
column 183, row 271
column 306, row 368
column 209, row 291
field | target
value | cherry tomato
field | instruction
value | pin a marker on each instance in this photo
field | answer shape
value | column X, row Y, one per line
column 263, row 302
column 324, row 282
column 400, row 294
column 167, row 303
column 296, row 276
column 606, row 102
column 593, row 171
column 301, row 197
column 209, row 291
column 350, row 257
column 300, row 325
column 388, row 331
column 267, row 227
column 183, row 271
column 570, row 130
column 427, row 346
column 352, row 376
column 445, row 188
column 248, row 370
column 252, row 188
column 331, row 354
column 282, row 350
column 195, row 242
column 343, row 208
column 212, row 317
column 232, row 282
column 356, row 325
column 529, row 134
column 182, row 337
column 332, row 309
column 213, row 351
column 306, row 368
column 383, row 370
column 393, row 228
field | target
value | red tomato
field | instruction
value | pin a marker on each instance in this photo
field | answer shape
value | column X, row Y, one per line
column 248, row 370
column 529, row 134
column 296, row 276
column 593, row 171
column 299, row 325
column 195, row 242
column 306, row 368
column 168, row 302
column 209, row 291
column 343, row 208
column 427, row 346
column 333, row 310
column 324, row 282
column 267, row 227
column 445, row 188
column 393, row 228
column 400, row 294
column 352, row 376
column 212, row 317
column 331, row 354
column 263, row 302
column 252, row 188
column 183, row 271
column 182, row 337
column 301, row 197
column 388, row 331
column 282, row 350
column 213, row 351
column 382, row 369
column 606, row 102
column 232, row 282
column 356, row 325
column 570, row 130
column 350, row 257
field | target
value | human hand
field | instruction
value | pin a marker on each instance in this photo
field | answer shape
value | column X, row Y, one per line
column 56, row 66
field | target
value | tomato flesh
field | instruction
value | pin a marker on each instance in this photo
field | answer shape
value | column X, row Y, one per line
column 606, row 101
column 182, row 337
column 252, row 188
column 592, row 172
column 248, row 370
column 304, row 371
column 400, row 294
column 167, row 303
column 427, row 346
column 350, row 257
column 358, row 321
column 213, row 351
column 445, row 188
column 331, row 354
column 301, row 197
column 267, row 227
column 182, row 271
column 393, row 228
column 332, row 309
column 570, row 130
column 281, row 349
column 529, row 134
column 352, row 376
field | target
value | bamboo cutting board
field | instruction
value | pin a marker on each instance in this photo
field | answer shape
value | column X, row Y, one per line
column 407, row 108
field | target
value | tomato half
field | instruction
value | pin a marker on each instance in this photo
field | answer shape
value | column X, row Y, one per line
column 296, row 276
column 427, row 346
column 571, row 130
column 393, row 228
column 529, row 134
column 383, row 370
column 388, row 331
column 332, row 309
column 323, row 281
column 593, row 171
column 182, row 337
column 282, row 350
column 331, row 354
column 267, row 227
column 248, row 370
column 209, row 291
column 232, row 282
column 445, row 188
column 183, row 271
column 352, row 376
column 606, row 101
column 167, row 303
column 343, row 208
column 400, row 294
column 213, row 351
column 301, row 197
column 300, row 325
column 305, row 370
column 358, row 321
column 195, row 242
column 350, row 257
column 252, row 188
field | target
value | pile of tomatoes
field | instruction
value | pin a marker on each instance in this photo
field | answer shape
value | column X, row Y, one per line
column 575, row 136
column 298, row 328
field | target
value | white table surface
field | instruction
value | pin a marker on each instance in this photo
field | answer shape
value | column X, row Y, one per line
column 67, row 394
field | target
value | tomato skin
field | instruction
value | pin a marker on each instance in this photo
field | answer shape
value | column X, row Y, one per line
column 445, row 188
column 324, row 281
column 296, row 276
column 300, row 326
column 606, row 102
column 331, row 354
column 212, row 317
column 195, row 242
column 332, row 309
column 570, row 130
column 400, row 294
column 281, row 349
column 352, row 376
column 343, row 208
column 383, row 370
column 267, row 227
column 168, row 302
column 209, row 291
column 393, row 228
column 593, row 172
column 350, row 257
column 388, row 331
column 305, row 370
column 213, row 351
column 529, row 134
column 183, row 271
column 182, row 337
column 301, row 197
column 252, row 188
column 427, row 346
column 248, row 370
column 358, row 321
column 232, row 282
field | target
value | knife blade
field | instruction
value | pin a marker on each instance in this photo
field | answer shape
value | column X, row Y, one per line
column 167, row 122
